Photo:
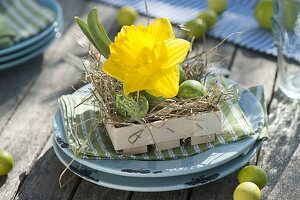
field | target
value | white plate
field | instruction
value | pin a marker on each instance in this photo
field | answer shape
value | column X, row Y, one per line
column 158, row 184
column 206, row 160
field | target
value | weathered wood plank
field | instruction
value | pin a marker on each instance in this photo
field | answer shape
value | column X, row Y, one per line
column 42, row 180
column 280, row 155
column 16, row 81
column 172, row 195
column 13, row 85
column 31, row 125
column 288, row 185
column 250, row 68
column 220, row 189
column 89, row 191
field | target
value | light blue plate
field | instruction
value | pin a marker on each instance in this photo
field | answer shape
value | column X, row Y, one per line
column 36, row 45
column 32, row 48
column 53, row 5
column 26, row 57
column 158, row 184
column 206, row 160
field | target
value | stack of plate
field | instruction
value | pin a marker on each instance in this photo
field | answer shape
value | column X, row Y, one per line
column 35, row 45
column 147, row 176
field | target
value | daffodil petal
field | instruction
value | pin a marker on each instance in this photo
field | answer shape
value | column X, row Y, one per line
column 162, row 29
column 113, row 68
column 133, row 83
column 177, row 50
column 166, row 83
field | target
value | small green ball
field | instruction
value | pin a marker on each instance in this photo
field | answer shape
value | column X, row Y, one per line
column 263, row 13
column 217, row 5
column 130, row 107
column 191, row 89
column 127, row 15
column 153, row 101
column 253, row 174
column 246, row 191
column 182, row 75
column 197, row 27
column 6, row 162
column 209, row 16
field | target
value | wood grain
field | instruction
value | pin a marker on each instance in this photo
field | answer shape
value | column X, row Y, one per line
column 29, row 126
column 42, row 180
column 90, row 191
column 280, row 155
column 172, row 195
column 250, row 69
column 220, row 189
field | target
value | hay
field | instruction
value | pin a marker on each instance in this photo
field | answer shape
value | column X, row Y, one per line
column 104, row 89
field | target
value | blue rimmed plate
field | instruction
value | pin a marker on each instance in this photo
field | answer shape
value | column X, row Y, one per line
column 154, row 184
column 53, row 5
column 36, row 45
column 206, row 160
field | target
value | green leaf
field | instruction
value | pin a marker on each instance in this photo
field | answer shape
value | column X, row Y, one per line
column 98, row 33
column 85, row 29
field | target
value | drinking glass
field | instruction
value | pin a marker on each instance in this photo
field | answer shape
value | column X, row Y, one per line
column 286, row 32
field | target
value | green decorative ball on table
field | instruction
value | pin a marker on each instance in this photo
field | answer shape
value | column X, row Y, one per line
column 246, row 191
column 6, row 162
column 127, row 15
column 263, row 13
column 197, row 28
column 217, row 5
column 253, row 174
column 209, row 16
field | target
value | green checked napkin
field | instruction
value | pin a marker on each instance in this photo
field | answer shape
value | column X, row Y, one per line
column 23, row 19
column 79, row 125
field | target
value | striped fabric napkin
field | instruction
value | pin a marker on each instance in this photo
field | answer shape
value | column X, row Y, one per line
column 7, row 35
column 25, row 17
column 90, row 140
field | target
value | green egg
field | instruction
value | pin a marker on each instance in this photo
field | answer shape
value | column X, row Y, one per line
column 127, row 15
column 191, row 89
column 130, row 107
column 6, row 162
column 197, row 28
column 209, row 16
column 217, row 5
column 152, row 100
column 182, row 75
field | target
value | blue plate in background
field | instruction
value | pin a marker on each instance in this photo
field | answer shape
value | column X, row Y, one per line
column 34, row 46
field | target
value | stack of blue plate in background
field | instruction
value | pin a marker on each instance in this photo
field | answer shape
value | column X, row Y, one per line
column 33, row 46
column 164, row 175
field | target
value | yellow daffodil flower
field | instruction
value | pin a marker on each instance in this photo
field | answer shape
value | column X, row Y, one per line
column 146, row 58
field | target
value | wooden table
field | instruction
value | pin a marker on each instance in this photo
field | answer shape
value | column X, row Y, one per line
column 28, row 103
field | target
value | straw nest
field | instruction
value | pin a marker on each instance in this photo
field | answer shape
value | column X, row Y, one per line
column 104, row 89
